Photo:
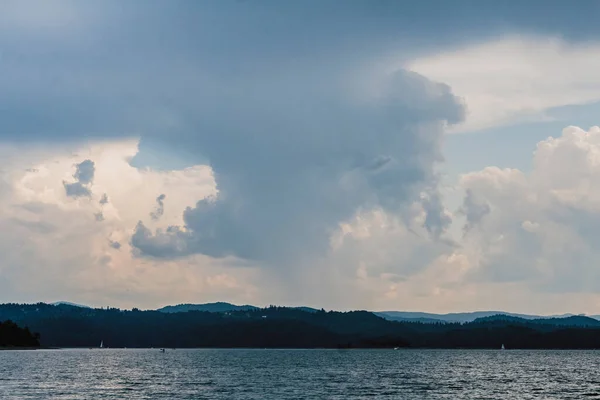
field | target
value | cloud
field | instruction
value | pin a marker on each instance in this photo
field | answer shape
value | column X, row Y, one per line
column 84, row 172
column 77, row 189
column 538, row 232
column 539, row 227
column 288, row 173
column 293, row 142
column 437, row 218
column 162, row 244
column 473, row 210
column 155, row 80
column 43, row 227
column 103, row 201
column 84, row 175
column 516, row 79
column 160, row 208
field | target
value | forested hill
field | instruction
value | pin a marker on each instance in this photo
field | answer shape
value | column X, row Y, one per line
column 13, row 336
column 209, row 307
column 71, row 326
column 573, row 321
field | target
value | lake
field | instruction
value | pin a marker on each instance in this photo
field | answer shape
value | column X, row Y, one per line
column 298, row 374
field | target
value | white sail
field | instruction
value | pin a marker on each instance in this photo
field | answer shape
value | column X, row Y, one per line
column 101, row 344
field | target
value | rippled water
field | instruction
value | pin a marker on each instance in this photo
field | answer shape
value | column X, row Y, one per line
column 299, row 374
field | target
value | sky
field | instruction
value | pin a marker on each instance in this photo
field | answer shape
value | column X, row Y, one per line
column 381, row 155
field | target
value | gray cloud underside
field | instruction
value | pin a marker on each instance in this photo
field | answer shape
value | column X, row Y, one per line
column 84, row 172
column 112, row 68
column 160, row 207
column 76, row 189
column 289, row 173
column 473, row 210
column 84, row 175
column 273, row 95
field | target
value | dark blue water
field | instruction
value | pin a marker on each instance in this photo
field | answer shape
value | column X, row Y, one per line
column 299, row 374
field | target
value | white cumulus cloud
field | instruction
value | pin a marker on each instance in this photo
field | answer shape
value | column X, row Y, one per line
column 516, row 79
column 540, row 227
column 55, row 246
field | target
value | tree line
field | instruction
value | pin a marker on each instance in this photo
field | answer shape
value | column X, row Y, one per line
column 12, row 335
column 281, row 327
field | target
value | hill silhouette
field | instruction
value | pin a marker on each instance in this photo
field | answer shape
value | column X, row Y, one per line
column 208, row 307
column 13, row 336
column 575, row 320
column 218, row 307
column 64, row 325
column 453, row 317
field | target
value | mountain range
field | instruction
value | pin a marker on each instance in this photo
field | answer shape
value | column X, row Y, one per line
column 456, row 317
column 406, row 316
column 219, row 307
column 225, row 325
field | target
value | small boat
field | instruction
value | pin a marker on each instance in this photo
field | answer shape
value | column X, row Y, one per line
column 396, row 348
column 162, row 350
column 101, row 344
column 502, row 348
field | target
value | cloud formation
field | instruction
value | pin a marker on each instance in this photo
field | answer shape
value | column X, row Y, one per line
column 539, row 227
column 473, row 210
column 91, row 262
column 516, row 79
column 84, row 175
column 526, row 231
column 160, row 207
column 289, row 135
column 304, row 165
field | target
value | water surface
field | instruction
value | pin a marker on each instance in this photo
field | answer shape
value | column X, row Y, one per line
column 299, row 374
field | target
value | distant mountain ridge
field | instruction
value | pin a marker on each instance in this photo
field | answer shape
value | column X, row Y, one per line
column 409, row 316
column 574, row 320
column 65, row 325
column 400, row 316
column 219, row 307
column 67, row 303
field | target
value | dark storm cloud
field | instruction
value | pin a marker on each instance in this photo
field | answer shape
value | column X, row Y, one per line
column 281, row 98
column 75, row 70
column 289, row 173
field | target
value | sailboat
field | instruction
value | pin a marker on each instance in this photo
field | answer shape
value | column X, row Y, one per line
column 101, row 344
column 502, row 348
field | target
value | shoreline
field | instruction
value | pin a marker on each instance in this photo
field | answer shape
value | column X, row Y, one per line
column 168, row 349
column 28, row 348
